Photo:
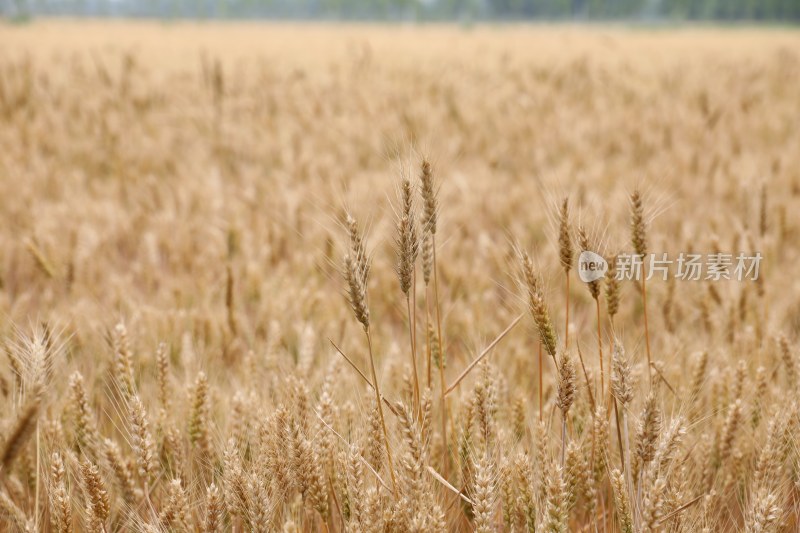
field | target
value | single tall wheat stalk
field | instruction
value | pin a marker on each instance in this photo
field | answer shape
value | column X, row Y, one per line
column 639, row 241
column 622, row 388
column 427, row 267
column 430, row 208
column 407, row 247
column 594, row 290
column 356, row 272
column 541, row 318
column 566, row 256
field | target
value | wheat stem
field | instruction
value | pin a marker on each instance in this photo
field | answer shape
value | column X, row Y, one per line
column 445, row 450
column 428, row 351
column 483, row 354
column 541, row 400
column 413, row 354
column 647, row 331
column 566, row 317
column 378, row 397
column 627, row 454
column 600, row 350
column 363, row 376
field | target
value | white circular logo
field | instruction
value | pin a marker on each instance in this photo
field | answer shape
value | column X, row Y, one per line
column 591, row 266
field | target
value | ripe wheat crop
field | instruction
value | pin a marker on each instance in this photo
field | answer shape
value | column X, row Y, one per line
column 327, row 278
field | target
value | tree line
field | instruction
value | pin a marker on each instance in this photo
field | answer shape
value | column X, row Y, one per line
column 419, row 10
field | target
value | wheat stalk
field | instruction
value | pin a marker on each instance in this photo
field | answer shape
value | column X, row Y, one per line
column 356, row 275
column 639, row 241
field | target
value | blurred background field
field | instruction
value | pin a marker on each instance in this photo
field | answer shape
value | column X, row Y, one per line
column 114, row 132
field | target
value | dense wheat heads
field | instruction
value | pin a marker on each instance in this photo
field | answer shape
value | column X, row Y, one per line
column 177, row 217
column 32, row 359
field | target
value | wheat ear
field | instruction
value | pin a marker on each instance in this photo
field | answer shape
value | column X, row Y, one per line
column 566, row 256
column 407, row 248
column 639, row 241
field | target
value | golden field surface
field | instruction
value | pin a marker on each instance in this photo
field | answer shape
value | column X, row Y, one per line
column 209, row 233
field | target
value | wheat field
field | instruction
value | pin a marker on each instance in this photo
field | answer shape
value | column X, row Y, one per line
column 325, row 278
